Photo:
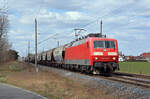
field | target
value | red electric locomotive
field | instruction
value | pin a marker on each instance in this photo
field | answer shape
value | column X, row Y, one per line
column 94, row 54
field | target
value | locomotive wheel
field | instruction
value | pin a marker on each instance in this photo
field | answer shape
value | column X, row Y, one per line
column 109, row 70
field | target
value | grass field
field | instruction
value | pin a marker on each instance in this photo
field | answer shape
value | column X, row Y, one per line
column 48, row 84
column 135, row 67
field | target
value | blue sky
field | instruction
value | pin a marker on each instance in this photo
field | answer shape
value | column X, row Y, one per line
column 127, row 21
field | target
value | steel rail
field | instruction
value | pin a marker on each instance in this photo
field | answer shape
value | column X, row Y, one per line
column 119, row 77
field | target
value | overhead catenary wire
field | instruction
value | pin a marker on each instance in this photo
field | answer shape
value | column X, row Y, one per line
column 39, row 10
column 107, row 14
column 100, row 18
column 50, row 37
column 83, row 26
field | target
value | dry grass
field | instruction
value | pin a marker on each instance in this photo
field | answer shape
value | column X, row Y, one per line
column 48, row 84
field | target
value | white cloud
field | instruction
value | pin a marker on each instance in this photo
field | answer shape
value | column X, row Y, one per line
column 127, row 21
column 26, row 20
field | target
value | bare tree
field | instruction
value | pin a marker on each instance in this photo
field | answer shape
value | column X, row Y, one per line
column 4, row 25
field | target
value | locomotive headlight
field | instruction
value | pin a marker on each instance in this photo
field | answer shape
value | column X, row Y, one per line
column 112, row 53
column 96, row 58
column 98, row 53
column 114, row 58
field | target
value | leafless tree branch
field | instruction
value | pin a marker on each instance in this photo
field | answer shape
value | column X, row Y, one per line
column 4, row 26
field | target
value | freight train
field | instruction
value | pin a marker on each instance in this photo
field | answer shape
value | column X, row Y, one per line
column 92, row 54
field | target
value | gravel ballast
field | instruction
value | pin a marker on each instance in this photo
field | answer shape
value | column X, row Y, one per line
column 120, row 90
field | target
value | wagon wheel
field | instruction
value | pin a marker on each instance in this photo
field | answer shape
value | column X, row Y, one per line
column 89, row 70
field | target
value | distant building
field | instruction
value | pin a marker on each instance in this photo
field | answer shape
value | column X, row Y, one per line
column 121, row 57
column 146, row 56
column 129, row 57
column 139, row 58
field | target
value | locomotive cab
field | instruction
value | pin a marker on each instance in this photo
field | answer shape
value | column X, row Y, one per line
column 104, row 54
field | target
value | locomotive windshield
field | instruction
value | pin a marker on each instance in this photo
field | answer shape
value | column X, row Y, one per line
column 104, row 44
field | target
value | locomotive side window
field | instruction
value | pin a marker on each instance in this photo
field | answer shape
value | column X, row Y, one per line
column 87, row 44
column 104, row 44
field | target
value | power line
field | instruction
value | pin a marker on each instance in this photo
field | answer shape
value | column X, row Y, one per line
column 47, row 38
column 38, row 11
column 50, row 37
column 107, row 14
column 83, row 26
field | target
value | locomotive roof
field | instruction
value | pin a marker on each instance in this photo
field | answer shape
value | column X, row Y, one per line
column 98, row 38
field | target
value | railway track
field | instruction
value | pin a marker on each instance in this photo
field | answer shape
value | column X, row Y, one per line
column 132, row 75
column 128, row 78
column 134, row 79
